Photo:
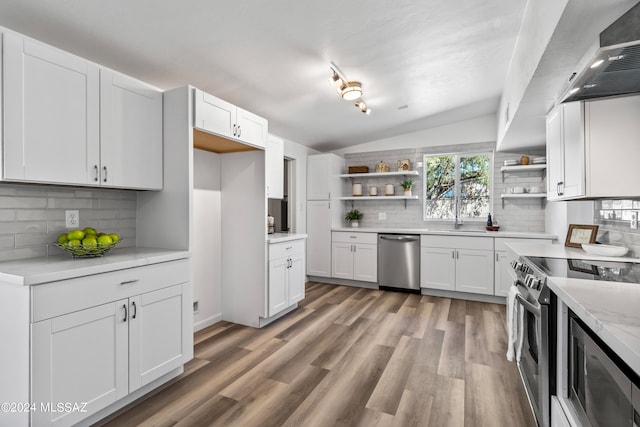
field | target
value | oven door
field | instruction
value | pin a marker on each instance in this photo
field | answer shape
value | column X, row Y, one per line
column 600, row 393
column 534, row 361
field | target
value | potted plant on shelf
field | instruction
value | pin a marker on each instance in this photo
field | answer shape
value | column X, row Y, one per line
column 407, row 184
column 353, row 216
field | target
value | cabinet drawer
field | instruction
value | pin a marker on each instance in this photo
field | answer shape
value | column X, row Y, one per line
column 283, row 249
column 500, row 242
column 66, row 296
column 348, row 237
column 456, row 242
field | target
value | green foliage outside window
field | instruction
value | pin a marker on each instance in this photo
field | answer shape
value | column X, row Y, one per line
column 462, row 180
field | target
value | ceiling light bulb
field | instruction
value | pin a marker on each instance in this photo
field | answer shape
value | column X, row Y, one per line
column 367, row 111
column 350, row 91
column 335, row 80
column 361, row 105
column 597, row 63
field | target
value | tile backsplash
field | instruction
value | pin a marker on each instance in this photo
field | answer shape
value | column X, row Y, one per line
column 513, row 214
column 32, row 216
column 614, row 221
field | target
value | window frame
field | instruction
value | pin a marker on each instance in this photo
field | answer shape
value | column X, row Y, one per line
column 457, row 155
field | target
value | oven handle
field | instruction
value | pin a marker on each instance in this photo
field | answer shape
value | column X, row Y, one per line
column 533, row 309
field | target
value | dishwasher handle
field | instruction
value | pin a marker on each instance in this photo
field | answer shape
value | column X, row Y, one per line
column 399, row 238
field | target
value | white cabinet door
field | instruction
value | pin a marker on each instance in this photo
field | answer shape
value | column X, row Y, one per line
column 323, row 181
column 130, row 133
column 365, row 263
column 275, row 167
column 437, row 268
column 51, row 114
column 251, row 128
column 155, row 335
column 80, row 357
column 278, row 271
column 296, row 279
column 612, row 145
column 319, row 238
column 555, row 155
column 573, row 146
column 213, row 114
column 342, row 260
column 317, row 179
column 504, row 274
column 474, row 271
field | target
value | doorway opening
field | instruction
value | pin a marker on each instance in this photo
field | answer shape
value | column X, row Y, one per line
column 283, row 209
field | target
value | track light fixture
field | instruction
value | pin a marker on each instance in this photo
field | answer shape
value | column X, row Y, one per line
column 348, row 90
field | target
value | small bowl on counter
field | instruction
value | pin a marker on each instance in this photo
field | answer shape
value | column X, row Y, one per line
column 605, row 250
column 492, row 227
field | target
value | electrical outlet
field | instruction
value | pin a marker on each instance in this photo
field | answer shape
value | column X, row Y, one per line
column 382, row 216
column 72, row 219
column 634, row 220
column 196, row 306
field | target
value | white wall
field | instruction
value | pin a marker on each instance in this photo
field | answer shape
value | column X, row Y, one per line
column 479, row 129
column 207, row 243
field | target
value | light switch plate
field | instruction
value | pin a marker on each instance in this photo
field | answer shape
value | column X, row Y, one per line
column 634, row 220
column 382, row 216
column 72, row 219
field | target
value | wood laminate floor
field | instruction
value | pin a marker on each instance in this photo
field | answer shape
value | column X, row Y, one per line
column 349, row 357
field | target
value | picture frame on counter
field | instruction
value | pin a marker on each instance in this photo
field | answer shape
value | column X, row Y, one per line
column 579, row 234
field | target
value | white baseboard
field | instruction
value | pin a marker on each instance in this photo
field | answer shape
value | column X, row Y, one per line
column 197, row 326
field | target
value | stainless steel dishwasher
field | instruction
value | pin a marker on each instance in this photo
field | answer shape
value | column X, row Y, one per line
column 399, row 261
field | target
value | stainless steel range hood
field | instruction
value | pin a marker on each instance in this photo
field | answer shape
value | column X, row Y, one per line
column 615, row 67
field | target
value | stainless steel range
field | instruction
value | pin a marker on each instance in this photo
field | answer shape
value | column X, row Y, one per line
column 537, row 363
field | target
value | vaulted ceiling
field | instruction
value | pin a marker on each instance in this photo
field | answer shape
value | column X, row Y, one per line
column 415, row 59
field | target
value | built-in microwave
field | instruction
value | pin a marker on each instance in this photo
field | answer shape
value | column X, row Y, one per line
column 603, row 390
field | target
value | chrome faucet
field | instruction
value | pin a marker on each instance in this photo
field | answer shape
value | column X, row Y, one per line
column 458, row 219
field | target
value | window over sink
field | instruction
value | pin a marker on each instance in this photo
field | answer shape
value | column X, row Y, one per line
column 457, row 186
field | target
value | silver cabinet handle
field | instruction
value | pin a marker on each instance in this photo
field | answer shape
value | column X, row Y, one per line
column 457, row 255
column 125, row 312
column 129, row 282
column 135, row 309
column 453, row 254
column 104, row 178
column 239, row 131
column 288, row 248
column 96, row 173
column 497, row 256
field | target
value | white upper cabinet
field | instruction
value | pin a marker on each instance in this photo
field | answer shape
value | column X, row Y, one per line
column 130, row 133
column 592, row 149
column 217, row 116
column 565, row 152
column 51, row 114
column 275, row 167
column 323, row 181
column 69, row 121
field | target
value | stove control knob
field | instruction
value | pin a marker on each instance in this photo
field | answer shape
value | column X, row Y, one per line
column 532, row 281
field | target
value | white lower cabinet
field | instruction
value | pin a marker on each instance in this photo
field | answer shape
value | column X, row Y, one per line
column 80, row 357
column 354, row 256
column 504, row 274
column 286, row 275
column 93, row 355
column 457, row 263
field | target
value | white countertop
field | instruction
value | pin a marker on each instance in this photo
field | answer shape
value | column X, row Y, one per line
column 561, row 251
column 610, row 309
column 478, row 233
column 284, row 237
column 35, row 271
